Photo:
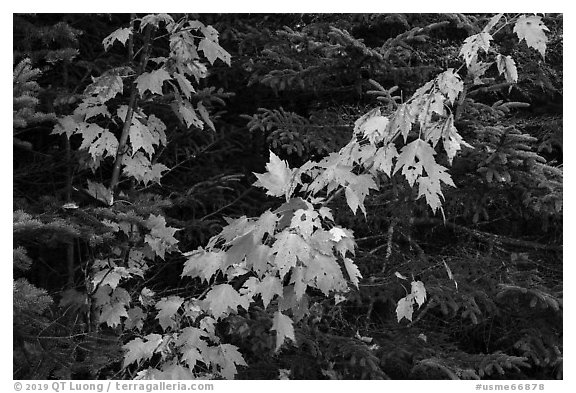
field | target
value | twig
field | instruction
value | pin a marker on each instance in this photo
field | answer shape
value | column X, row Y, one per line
column 246, row 192
column 389, row 245
column 490, row 237
column 422, row 313
column 131, row 39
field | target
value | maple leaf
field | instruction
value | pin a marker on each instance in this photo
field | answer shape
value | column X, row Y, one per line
column 120, row 295
column 236, row 227
column 105, row 87
column 152, row 173
column 223, row 298
column 473, row 44
column 364, row 118
column 89, row 133
column 191, row 356
column 451, row 140
column 141, row 137
column 229, row 358
column 208, row 324
column 323, row 241
column 531, row 29
column 184, row 84
column 241, row 246
column 210, row 32
column 412, row 169
column 170, row 371
column 111, row 314
column 205, row 116
column 183, row 48
column 100, row 192
column 121, row 35
column 110, row 277
column 429, row 186
column 325, row 177
column 141, row 169
column 135, row 319
column 305, row 221
column 426, row 106
column 287, row 209
column 167, row 308
column 212, row 50
column 290, row 301
column 383, row 158
column 433, row 132
column 430, row 189
column 147, row 297
column 258, row 258
column 358, row 187
column 346, row 243
column 161, row 238
column 477, row 69
column 289, row 247
column 337, row 233
column 299, row 281
column 186, row 112
column 269, row 287
column 419, row 292
column 156, row 128
column 450, row 84
column 372, row 125
column 507, row 66
column 324, row 273
column 67, row 125
column 138, row 350
column 401, row 122
column 266, row 224
column 250, row 287
column 91, row 107
column 155, row 19
column 493, row 21
column 105, row 146
column 102, row 296
column 192, row 308
column 136, row 166
column 203, row 264
column 352, row 199
column 405, row 308
column 277, row 179
column 365, row 153
column 284, row 328
column 353, row 271
column 152, row 81
column 326, row 213
column 190, row 336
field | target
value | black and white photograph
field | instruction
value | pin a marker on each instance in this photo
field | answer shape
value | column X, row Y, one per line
column 287, row 196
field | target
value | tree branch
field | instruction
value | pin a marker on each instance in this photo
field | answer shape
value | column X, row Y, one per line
column 130, row 112
column 504, row 240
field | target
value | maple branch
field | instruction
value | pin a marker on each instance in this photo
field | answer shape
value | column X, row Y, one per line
column 131, row 39
column 130, row 112
column 460, row 103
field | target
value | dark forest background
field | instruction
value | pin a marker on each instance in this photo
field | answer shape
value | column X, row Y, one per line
column 295, row 86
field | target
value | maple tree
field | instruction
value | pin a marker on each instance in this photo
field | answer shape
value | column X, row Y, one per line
column 279, row 262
